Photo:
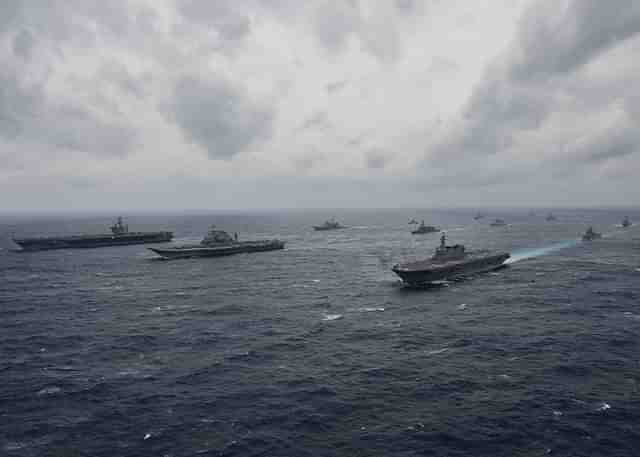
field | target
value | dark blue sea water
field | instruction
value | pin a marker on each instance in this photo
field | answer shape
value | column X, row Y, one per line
column 316, row 350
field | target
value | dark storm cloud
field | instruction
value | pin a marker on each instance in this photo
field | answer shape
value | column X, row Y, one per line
column 218, row 116
column 539, row 76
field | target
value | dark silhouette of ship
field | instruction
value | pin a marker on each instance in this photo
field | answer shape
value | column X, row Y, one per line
column 498, row 223
column 422, row 229
column 590, row 235
column 120, row 235
column 218, row 243
column 448, row 262
column 626, row 222
column 551, row 217
column 331, row 224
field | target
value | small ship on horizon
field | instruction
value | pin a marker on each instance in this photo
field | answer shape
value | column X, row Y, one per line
column 331, row 224
column 422, row 229
column 119, row 236
column 591, row 235
column 218, row 243
column 448, row 262
column 626, row 222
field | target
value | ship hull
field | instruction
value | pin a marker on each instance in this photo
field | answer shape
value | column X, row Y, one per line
column 187, row 252
column 96, row 241
column 324, row 229
column 424, row 276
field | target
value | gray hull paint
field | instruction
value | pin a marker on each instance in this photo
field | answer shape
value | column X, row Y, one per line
column 186, row 252
column 435, row 272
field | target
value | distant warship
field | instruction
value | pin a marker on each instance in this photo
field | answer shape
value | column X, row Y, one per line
column 590, row 235
column 498, row 223
column 626, row 222
column 447, row 263
column 331, row 224
column 218, row 243
column 478, row 216
column 551, row 217
column 120, row 235
column 422, row 229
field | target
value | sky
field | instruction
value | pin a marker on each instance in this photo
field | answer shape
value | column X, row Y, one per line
column 265, row 104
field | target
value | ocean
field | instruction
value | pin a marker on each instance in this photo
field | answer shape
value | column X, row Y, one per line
column 317, row 350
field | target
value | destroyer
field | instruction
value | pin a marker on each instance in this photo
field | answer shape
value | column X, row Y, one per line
column 590, row 235
column 218, row 243
column 120, row 235
column 331, row 224
column 447, row 263
column 626, row 222
column 498, row 223
column 422, row 229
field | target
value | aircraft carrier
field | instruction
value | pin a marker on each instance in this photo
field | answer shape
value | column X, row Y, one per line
column 120, row 235
column 448, row 262
column 218, row 243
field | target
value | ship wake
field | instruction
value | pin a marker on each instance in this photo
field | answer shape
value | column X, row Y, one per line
column 525, row 254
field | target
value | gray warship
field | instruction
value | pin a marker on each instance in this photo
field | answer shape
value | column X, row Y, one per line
column 449, row 262
column 120, row 235
column 422, row 229
column 590, row 235
column 218, row 243
column 498, row 223
column 626, row 222
column 331, row 224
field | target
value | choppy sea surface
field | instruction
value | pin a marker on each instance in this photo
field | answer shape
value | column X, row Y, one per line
column 317, row 350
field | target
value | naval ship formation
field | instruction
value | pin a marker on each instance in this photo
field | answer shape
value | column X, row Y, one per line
column 120, row 235
column 448, row 262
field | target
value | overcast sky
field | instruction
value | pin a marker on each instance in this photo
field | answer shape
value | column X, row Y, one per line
column 231, row 104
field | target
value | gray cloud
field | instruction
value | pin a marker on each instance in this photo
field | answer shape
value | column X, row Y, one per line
column 540, row 76
column 553, row 40
column 23, row 43
column 317, row 121
column 336, row 86
column 443, row 65
column 117, row 74
column 226, row 17
column 218, row 116
column 376, row 159
column 335, row 22
column 27, row 115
